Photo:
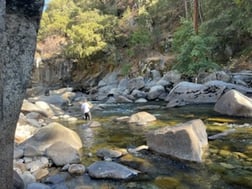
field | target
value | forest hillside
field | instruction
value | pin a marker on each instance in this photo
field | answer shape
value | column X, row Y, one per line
column 98, row 36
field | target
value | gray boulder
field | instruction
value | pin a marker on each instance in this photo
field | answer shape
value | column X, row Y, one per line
column 41, row 173
column 108, row 153
column 104, row 91
column 54, row 99
column 27, row 106
column 243, row 78
column 185, row 141
column 141, row 118
column 44, row 106
column 76, row 169
column 234, row 103
column 138, row 94
column 62, row 153
column 141, row 100
column 17, row 181
column 229, row 86
column 31, row 151
column 37, row 163
column 123, row 84
column 110, row 170
column 36, row 185
column 109, row 79
column 155, row 92
column 123, row 99
column 136, row 83
column 191, row 93
column 218, row 75
column 50, row 134
column 172, row 76
column 28, row 178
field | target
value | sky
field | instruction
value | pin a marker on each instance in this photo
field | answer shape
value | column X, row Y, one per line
column 46, row 2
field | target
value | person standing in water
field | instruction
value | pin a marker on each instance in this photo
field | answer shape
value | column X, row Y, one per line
column 85, row 108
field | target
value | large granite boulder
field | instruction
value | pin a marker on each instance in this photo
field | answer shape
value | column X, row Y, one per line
column 136, row 83
column 185, row 141
column 155, row 92
column 50, row 134
column 62, row 153
column 234, row 103
column 45, row 107
column 192, row 93
column 229, row 86
column 18, row 183
column 28, row 106
column 218, row 75
column 54, row 99
column 242, row 78
column 110, row 170
column 110, row 79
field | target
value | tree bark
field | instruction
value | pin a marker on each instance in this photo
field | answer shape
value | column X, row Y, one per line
column 19, row 23
column 195, row 17
column 186, row 9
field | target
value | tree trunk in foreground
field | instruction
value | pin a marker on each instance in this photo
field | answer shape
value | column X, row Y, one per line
column 19, row 22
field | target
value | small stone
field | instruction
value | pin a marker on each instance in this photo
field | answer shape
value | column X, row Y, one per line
column 76, row 169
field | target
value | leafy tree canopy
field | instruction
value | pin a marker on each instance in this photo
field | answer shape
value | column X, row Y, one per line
column 119, row 28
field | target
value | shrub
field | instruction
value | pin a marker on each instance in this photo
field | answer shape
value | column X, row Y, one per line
column 194, row 52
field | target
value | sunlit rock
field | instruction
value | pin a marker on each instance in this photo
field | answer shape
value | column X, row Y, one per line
column 185, row 141
column 141, row 118
column 62, row 153
column 234, row 103
column 52, row 133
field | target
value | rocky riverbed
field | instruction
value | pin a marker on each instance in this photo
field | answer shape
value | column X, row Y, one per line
column 55, row 147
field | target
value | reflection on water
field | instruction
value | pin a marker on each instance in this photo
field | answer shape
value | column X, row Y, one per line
column 228, row 163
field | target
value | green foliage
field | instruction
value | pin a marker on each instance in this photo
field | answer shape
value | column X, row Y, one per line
column 225, row 32
column 140, row 37
column 193, row 51
column 55, row 19
column 139, row 41
column 125, row 70
column 87, row 29
column 104, row 28
column 130, row 52
column 89, row 33
column 182, row 34
column 229, row 21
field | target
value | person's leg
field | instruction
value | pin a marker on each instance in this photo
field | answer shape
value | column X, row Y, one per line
column 89, row 116
column 86, row 116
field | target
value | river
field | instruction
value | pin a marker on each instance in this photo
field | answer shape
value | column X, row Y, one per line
column 228, row 163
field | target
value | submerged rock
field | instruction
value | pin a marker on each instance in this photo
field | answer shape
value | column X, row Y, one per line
column 108, row 153
column 111, row 170
column 221, row 135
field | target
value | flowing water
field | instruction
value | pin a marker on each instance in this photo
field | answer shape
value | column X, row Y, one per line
column 228, row 163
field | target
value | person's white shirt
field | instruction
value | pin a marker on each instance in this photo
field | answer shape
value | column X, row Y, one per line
column 85, row 107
